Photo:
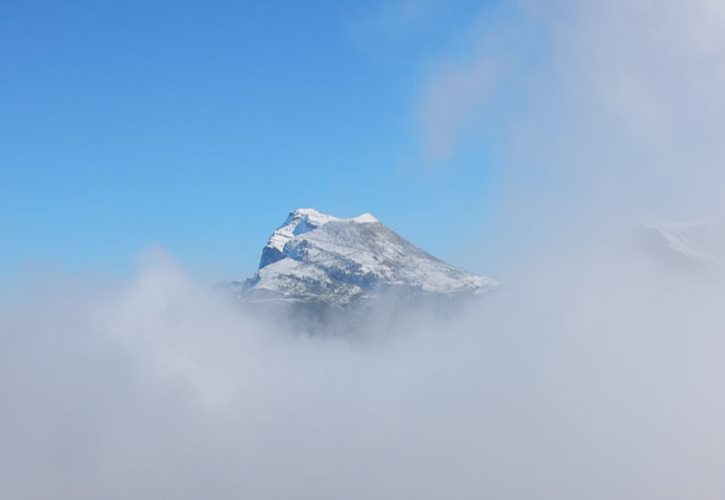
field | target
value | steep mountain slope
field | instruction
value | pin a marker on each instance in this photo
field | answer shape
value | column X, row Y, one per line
column 315, row 257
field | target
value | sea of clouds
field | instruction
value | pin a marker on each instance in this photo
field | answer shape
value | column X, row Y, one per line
column 599, row 381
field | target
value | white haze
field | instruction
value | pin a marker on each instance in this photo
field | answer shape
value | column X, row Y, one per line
column 595, row 373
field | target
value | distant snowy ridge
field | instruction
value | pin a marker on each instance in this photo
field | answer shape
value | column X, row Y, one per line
column 316, row 257
column 696, row 242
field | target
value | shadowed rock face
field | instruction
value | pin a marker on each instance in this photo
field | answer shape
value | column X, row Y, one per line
column 317, row 258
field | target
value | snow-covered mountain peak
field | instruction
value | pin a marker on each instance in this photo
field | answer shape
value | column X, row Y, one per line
column 316, row 257
column 315, row 218
column 298, row 222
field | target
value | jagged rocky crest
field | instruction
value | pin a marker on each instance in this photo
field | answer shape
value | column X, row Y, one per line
column 320, row 259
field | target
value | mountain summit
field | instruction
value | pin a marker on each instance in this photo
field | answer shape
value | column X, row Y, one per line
column 318, row 258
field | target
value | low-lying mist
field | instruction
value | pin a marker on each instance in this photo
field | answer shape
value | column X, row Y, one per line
column 601, row 379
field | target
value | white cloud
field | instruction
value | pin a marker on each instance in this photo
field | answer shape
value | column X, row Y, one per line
column 559, row 389
column 647, row 73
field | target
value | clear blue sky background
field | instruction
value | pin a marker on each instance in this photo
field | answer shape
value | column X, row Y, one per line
column 197, row 125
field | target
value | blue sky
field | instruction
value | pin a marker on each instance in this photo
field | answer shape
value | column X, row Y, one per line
column 197, row 125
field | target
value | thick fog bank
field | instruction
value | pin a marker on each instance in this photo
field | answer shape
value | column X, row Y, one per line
column 600, row 379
